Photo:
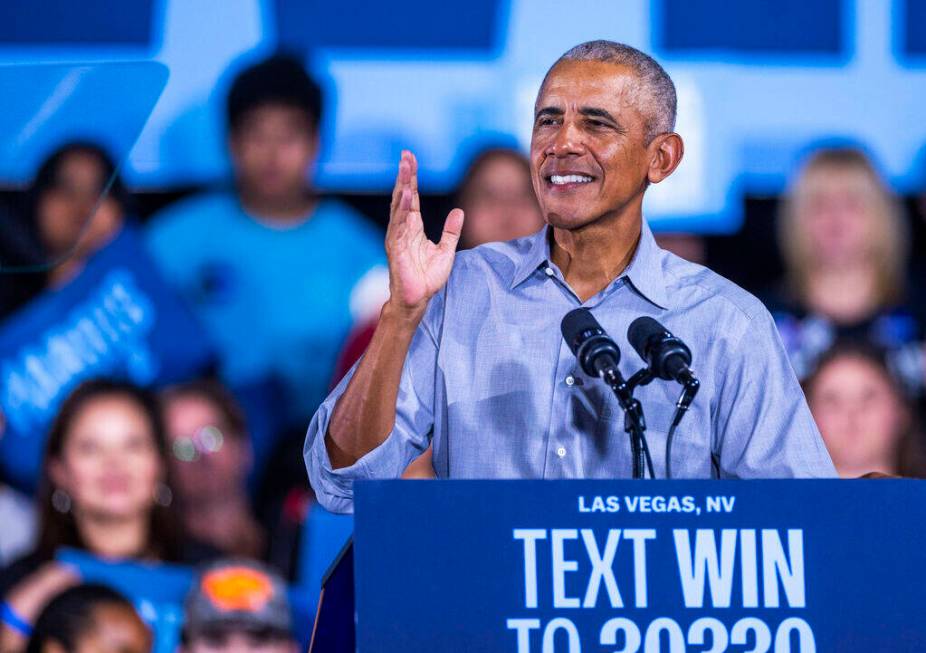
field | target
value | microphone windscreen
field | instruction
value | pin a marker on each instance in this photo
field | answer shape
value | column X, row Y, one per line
column 576, row 323
column 640, row 332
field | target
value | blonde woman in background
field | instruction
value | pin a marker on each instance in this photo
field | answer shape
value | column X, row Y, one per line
column 845, row 242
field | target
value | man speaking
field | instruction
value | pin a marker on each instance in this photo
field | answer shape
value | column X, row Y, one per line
column 468, row 354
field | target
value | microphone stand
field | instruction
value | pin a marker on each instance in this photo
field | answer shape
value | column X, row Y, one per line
column 634, row 421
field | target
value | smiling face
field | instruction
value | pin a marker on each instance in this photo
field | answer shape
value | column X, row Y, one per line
column 109, row 462
column 589, row 156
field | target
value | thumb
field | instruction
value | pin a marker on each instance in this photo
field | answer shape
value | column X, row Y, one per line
column 452, row 228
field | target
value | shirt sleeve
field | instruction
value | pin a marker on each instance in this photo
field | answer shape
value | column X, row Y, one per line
column 409, row 438
column 763, row 426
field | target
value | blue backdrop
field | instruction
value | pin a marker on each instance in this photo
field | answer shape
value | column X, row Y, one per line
column 757, row 81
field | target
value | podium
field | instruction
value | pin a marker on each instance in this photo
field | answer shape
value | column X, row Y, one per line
column 625, row 566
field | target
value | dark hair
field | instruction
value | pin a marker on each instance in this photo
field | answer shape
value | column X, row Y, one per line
column 281, row 79
column 47, row 176
column 58, row 529
column 482, row 158
column 910, row 457
column 69, row 616
column 212, row 391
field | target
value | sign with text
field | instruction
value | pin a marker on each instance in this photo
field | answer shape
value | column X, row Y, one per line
column 626, row 566
column 118, row 318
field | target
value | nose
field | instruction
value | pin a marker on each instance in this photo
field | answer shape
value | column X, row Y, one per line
column 567, row 141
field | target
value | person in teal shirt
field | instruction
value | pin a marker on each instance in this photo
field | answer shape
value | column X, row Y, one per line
column 276, row 274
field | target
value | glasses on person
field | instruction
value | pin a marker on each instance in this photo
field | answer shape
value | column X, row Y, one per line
column 205, row 441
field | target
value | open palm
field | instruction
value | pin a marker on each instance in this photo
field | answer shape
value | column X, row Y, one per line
column 418, row 268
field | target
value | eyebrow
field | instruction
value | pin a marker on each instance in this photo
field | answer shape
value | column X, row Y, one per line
column 548, row 111
column 594, row 112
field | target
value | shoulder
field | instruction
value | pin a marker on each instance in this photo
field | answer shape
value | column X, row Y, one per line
column 499, row 260
column 342, row 218
column 201, row 213
column 690, row 284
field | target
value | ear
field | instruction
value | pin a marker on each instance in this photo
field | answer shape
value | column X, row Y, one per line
column 666, row 153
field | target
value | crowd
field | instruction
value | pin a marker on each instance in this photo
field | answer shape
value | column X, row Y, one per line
column 286, row 285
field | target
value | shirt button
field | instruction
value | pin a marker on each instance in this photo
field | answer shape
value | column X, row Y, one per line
column 561, row 452
column 548, row 271
column 570, row 380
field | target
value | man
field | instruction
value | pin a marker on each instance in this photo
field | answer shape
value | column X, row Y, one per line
column 469, row 354
column 237, row 606
column 277, row 274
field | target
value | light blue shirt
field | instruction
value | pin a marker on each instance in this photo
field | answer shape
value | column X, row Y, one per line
column 277, row 300
column 491, row 383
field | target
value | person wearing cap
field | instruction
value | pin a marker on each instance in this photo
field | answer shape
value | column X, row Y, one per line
column 237, row 606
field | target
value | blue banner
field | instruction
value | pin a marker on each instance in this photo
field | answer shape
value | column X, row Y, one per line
column 625, row 566
column 118, row 319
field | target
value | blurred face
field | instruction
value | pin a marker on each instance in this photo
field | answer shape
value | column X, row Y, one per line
column 72, row 202
column 588, row 155
column 109, row 463
column 859, row 415
column 499, row 203
column 206, row 461
column 272, row 150
column 239, row 642
column 117, row 629
column 837, row 212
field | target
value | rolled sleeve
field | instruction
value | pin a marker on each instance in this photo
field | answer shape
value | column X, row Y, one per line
column 764, row 427
column 409, row 437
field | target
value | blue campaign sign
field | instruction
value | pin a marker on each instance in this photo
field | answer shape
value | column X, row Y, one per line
column 118, row 318
column 625, row 566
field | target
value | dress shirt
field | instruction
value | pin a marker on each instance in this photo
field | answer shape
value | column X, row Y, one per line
column 489, row 381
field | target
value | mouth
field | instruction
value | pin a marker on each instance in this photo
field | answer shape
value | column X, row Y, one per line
column 568, row 181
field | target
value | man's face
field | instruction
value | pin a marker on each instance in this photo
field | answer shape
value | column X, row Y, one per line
column 589, row 158
column 273, row 148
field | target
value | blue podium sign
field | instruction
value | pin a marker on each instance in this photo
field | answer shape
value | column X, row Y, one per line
column 625, row 566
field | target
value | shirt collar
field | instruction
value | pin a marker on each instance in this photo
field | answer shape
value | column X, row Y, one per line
column 645, row 271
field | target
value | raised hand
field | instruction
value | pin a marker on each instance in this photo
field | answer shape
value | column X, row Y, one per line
column 418, row 268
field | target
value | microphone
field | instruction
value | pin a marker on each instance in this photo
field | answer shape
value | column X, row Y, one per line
column 667, row 356
column 596, row 352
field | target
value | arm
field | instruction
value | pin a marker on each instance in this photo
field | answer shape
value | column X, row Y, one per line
column 365, row 414
column 763, row 427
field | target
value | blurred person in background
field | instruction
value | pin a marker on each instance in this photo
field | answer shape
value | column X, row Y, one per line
column 237, row 606
column 104, row 489
column 89, row 618
column 867, row 422
column 277, row 274
column 498, row 198
column 845, row 248
column 76, row 205
column 211, row 458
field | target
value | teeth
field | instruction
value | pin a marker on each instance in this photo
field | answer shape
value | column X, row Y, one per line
column 570, row 179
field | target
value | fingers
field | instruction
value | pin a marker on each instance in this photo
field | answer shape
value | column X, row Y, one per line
column 453, row 226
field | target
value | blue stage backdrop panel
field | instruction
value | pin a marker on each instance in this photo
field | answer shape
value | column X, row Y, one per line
column 455, row 25
column 88, row 22
column 914, row 23
column 788, row 27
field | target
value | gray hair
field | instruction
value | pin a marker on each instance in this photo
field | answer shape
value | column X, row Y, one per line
column 658, row 103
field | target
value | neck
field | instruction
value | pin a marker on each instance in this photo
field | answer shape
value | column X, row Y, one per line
column 593, row 256
column 287, row 208
column 107, row 538
column 846, row 295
